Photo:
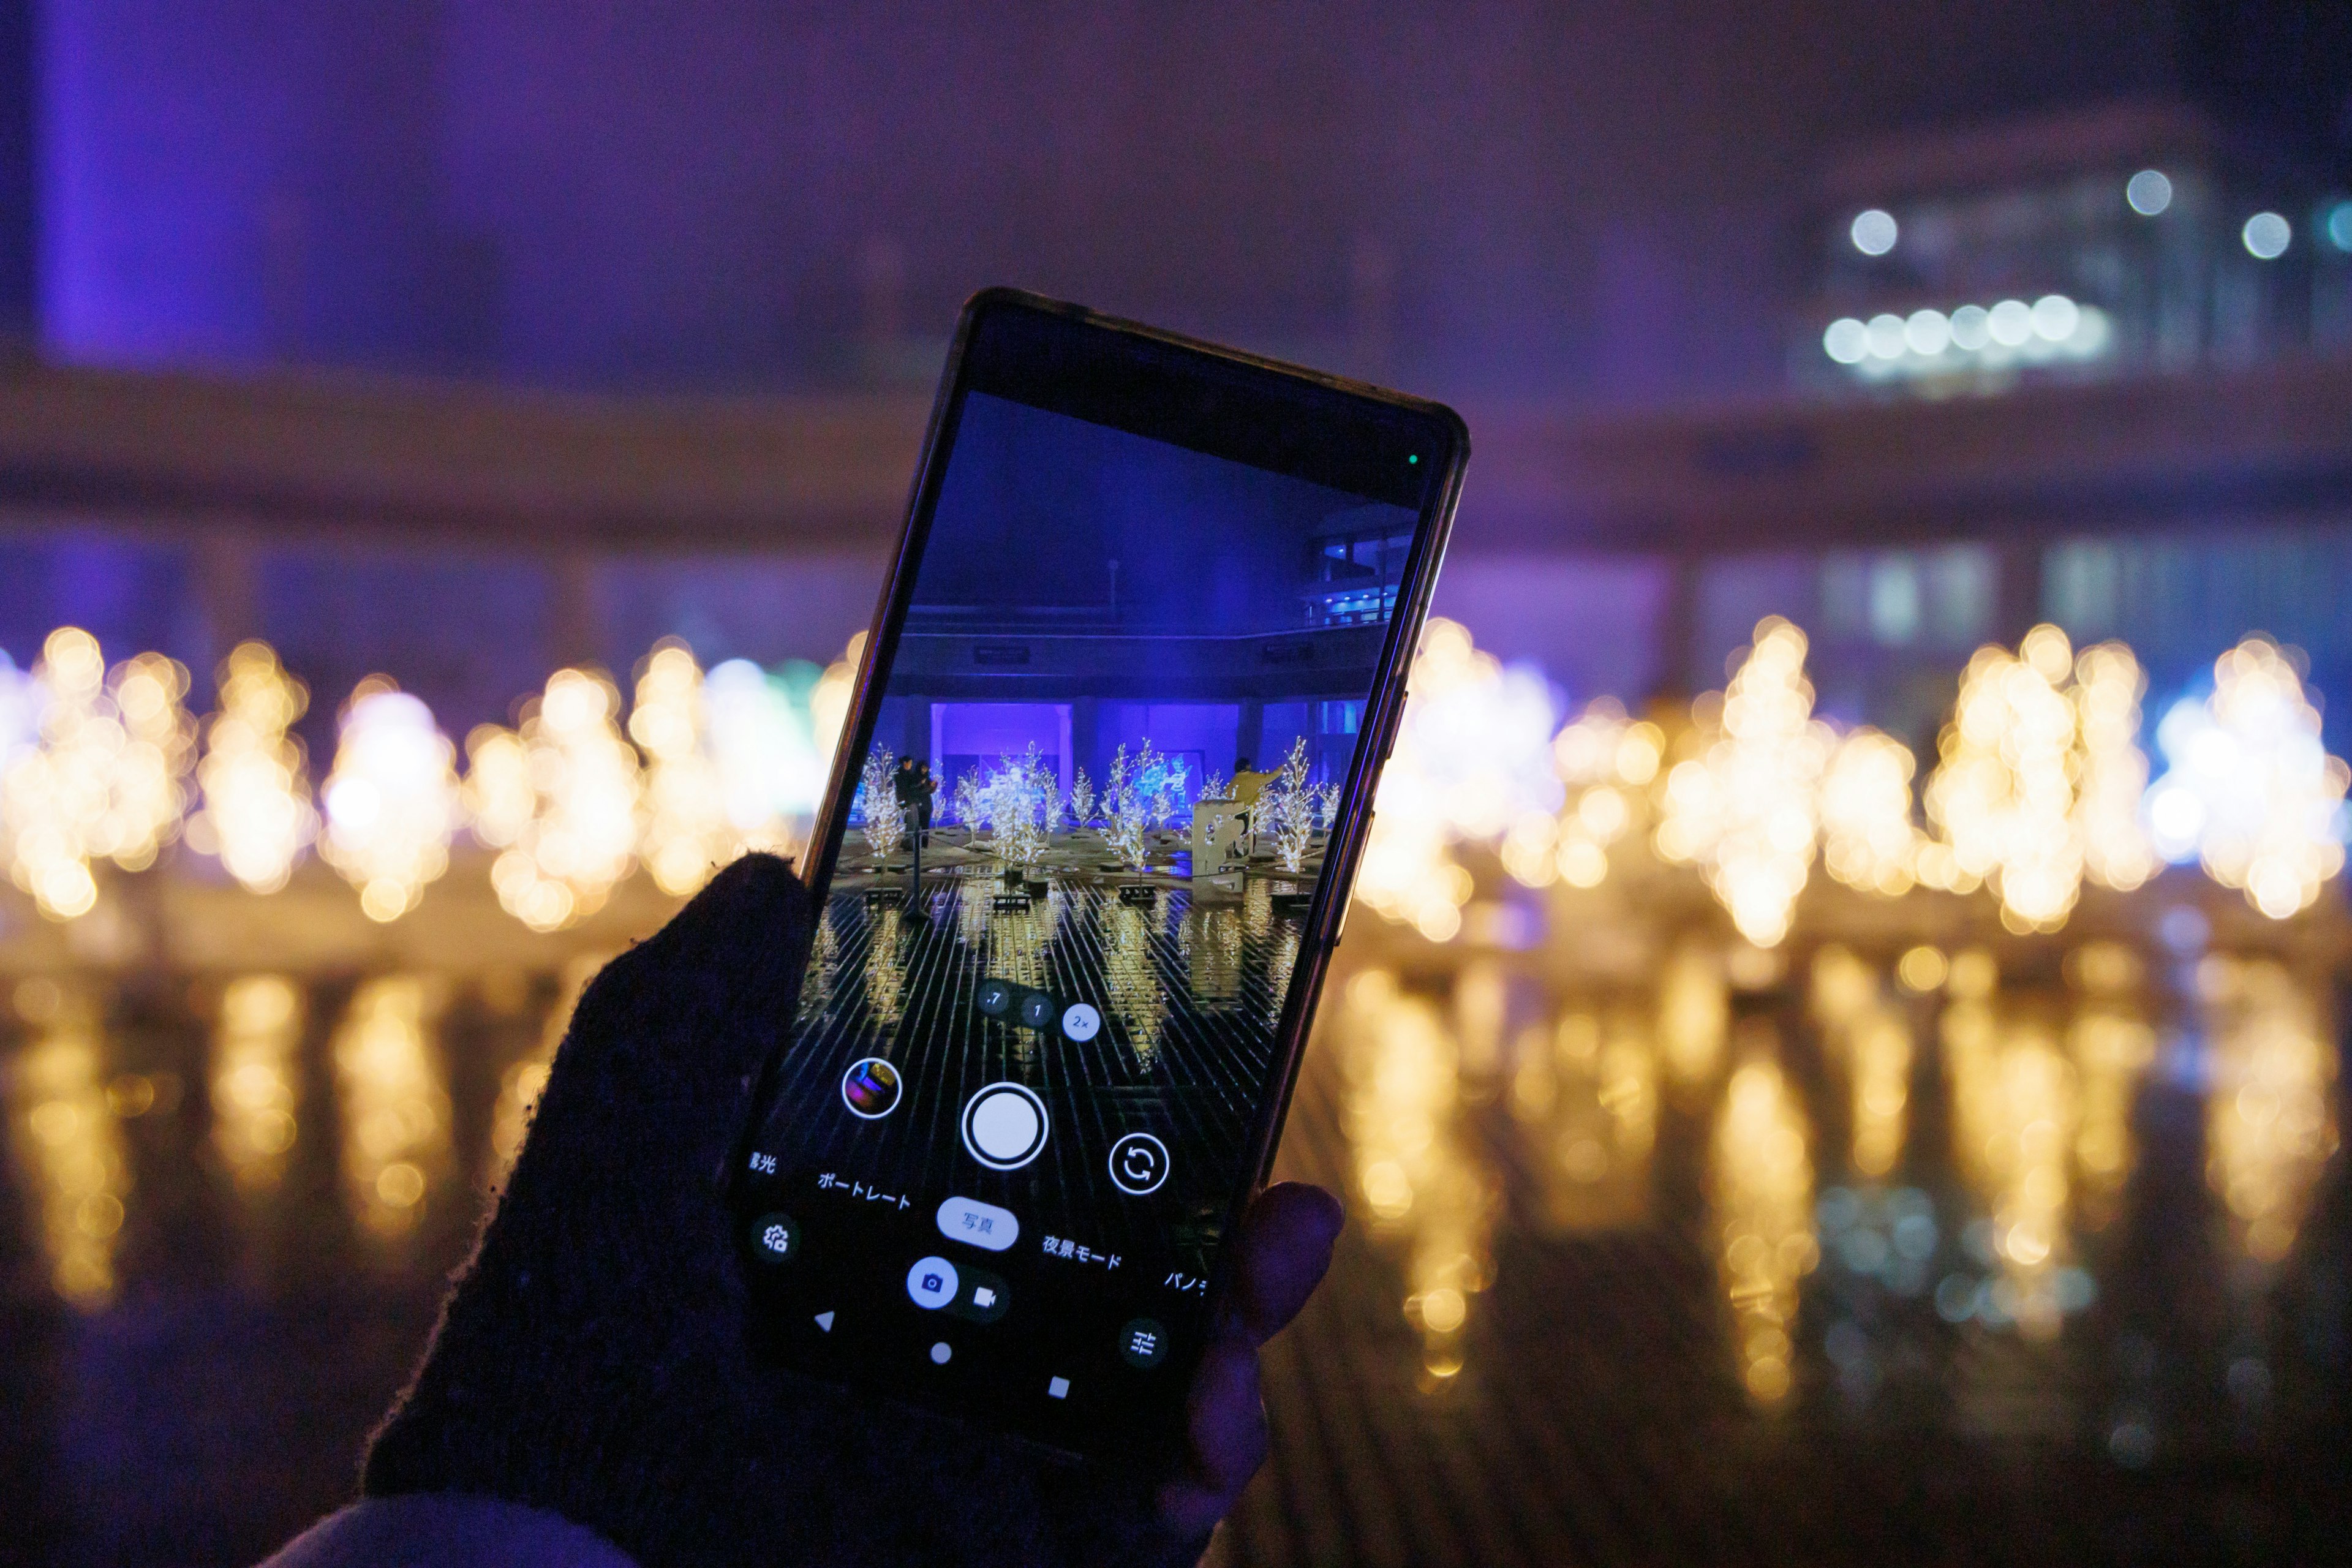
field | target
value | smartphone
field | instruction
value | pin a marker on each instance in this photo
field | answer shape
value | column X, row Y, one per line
column 1087, row 850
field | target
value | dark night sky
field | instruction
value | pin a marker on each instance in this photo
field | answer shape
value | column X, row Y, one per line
column 1479, row 198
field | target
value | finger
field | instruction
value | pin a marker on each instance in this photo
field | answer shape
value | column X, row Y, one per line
column 717, row 972
column 657, row 1068
column 1281, row 1254
column 1227, row 1439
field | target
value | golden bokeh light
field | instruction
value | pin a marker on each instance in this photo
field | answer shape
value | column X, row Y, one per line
column 256, row 1078
column 1426, row 1192
column 559, row 800
column 687, row 835
column 1763, row 1187
column 1743, row 808
column 103, row 780
column 70, row 1139
column 393, row 1097
column 257, row 814
column 2269, row 1121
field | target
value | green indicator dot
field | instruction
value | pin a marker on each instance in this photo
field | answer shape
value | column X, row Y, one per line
column 1414, row 458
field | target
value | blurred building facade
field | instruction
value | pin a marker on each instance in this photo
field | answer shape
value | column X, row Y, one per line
column 1544, row 217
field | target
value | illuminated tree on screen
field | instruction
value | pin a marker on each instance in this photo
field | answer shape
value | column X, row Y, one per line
column 884, row 816
column 1128, row 800
column 1020, row 802
column 1286, row 808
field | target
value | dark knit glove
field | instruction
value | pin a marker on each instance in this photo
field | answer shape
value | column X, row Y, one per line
column 592, row 1359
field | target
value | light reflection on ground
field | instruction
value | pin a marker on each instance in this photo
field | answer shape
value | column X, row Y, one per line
column 1663, row 1247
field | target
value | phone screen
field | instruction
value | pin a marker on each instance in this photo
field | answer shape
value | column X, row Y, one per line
column 1043, row 1015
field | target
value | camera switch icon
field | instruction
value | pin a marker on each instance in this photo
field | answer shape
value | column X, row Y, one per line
column 1138, row 1163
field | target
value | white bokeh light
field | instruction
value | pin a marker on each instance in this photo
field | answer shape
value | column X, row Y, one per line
column 2267, row 235
column 2150, row 192
column 1927, row 333
column 1874, row 231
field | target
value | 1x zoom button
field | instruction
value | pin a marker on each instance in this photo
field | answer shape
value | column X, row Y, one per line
column 977, row 1223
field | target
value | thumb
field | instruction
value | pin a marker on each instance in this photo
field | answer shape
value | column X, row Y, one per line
column 663, row 1050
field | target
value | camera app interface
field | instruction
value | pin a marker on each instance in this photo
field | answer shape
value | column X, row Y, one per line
column 1040, row 1018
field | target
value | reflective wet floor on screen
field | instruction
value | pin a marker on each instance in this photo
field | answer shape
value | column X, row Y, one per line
column 1884, row 1247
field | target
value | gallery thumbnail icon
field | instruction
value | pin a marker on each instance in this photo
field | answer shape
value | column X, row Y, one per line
column 871, row 1088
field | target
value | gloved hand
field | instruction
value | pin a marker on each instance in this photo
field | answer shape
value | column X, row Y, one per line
column 592, row 1359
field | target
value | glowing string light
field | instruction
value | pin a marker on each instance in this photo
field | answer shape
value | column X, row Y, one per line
column 1868, row 840
column 2003, row 793
column 391, row 800
column 1472, row 758
column 559, row 860
column 1603, row 760
column 256, row 814
column 2111, row 770
column 687, row 832
column 1745, row 810
column 103, row 781
column 2251, row 791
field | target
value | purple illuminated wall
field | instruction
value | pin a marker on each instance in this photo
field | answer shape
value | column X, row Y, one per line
column 1475, row 196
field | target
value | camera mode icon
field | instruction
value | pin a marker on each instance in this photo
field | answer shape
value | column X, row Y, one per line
column 932, row 1283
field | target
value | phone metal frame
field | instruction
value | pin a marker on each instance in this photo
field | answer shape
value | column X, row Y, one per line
column 1384, row 707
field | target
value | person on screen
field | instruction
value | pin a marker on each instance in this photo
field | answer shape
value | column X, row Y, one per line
column 926, row 788
column 907, row 784
column 589, row 1397
column 1248, row 786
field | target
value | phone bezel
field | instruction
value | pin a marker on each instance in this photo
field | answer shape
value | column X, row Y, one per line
column 1439, row 432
